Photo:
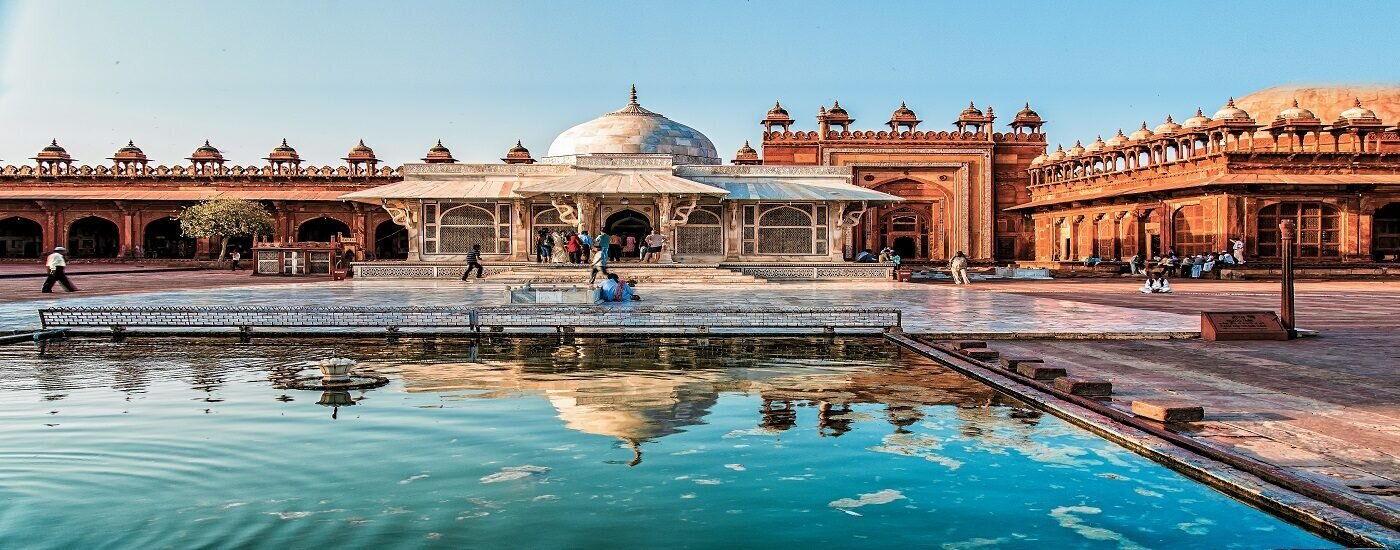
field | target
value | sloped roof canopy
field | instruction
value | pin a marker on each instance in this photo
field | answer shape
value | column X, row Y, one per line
column 435, row 188
column 765, row 189
column 619, row 183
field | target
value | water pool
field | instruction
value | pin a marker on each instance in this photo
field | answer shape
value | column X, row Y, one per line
column 543, row 443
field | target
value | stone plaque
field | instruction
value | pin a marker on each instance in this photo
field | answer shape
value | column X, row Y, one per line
column 1241, row 325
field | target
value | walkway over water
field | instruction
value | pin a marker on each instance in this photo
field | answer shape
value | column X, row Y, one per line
column 627, row 318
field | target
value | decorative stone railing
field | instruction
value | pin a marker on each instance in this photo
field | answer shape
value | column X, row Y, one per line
column 916, row 135
column 565, row 318
column 226, row 171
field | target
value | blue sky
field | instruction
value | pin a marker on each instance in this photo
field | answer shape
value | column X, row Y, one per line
column 481, row 75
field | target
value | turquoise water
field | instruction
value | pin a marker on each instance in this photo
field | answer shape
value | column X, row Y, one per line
column 588, row 443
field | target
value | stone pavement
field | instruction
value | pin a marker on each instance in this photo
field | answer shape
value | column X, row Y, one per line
column 26, row 289
column 927, row 308
column 1325, row 408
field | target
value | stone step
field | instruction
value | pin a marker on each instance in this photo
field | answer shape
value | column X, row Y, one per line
column 580, row 275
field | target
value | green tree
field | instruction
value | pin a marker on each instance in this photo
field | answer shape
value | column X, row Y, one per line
column 224, row 218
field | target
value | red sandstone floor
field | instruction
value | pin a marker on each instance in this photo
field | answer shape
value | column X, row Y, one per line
column 27, row 288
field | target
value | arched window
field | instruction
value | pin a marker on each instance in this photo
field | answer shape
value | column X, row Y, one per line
column 1191, row 234
column 703, row 234
column 1319, row 227
column 452, row 228
column 798, row 229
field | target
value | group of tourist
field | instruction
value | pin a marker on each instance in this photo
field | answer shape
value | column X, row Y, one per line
column 575, row 247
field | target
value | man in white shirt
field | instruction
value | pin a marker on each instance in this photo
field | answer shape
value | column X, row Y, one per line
column 654, row 243
column 56, row 264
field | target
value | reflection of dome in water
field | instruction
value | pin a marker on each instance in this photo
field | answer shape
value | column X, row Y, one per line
column 635, row 130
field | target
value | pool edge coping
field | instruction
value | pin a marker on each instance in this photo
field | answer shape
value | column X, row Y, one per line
column 1321, row 517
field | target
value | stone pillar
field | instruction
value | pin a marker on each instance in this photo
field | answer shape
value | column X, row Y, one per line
column 52, row 234
column 520, row 239
column 733, row 223
column 664, row 215
column 835, row 232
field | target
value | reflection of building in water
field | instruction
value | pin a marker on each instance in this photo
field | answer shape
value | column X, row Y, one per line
column 640, row 391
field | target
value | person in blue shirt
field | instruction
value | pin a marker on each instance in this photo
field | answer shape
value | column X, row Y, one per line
column 614, row 290
column 586, row 240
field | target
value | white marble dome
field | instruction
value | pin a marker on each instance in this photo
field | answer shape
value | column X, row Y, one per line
column 633, row 130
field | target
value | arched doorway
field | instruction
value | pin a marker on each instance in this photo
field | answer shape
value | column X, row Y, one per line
column 163, row 239
column 93, row 237
column 390, row 241
column 21, row 238
column 627, row 222
column 320, row 230
column 1385, row 233
column 906, row 232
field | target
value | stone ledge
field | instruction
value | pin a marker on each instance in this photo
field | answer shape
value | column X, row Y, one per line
column 1169, row 411
column 1036, row 371
column 1083, row 387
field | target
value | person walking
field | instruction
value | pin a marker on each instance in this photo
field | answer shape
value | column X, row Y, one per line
column 233, row 258
column 560, row 248
column 603, row 241
column 542, row 248
column 474, row 262
column 629, row 246
column 958, row 267
column 598, row 260
column 57, row 264
column 1135, row 264
column 654, row 243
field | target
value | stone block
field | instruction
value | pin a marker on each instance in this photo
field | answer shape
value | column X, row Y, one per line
column 1169, row 411
column 1040, row 371
column 980, row 354
column 1083, row 387
column 1010, row 363
column 965, row 344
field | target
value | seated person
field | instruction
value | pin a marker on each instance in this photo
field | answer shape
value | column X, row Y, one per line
column 865, row 257
column 1092, row 261
column 614, row 290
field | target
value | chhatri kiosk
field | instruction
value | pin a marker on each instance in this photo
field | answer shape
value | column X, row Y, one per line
column 627, row 172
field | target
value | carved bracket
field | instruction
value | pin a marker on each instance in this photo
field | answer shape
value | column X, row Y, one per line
column 567, row 212
column 401, row 213
column 682, row 213
column 852, row 218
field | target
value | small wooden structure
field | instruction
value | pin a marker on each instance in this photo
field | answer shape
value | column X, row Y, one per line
column 306, row 258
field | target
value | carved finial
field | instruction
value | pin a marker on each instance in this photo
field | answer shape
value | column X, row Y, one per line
column 633, row 98
column 439, row 142
column 284, row 142
column 1144, row 125
column 821, row 110
column 55, row 143
column 130, row 143
column 518, row 144
column 1078, row 144
column 1357, row 103
column 1120, row 132
column 746, row 144
column 1199, row 113
column 1295, row 102
column 1028, row 104
column 836, row 105
column 989, row 110
column 971, row 105
column 206, row 143
column 1230, row 103
column 777, row 105
column 1169, row 119
column 362, row 142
